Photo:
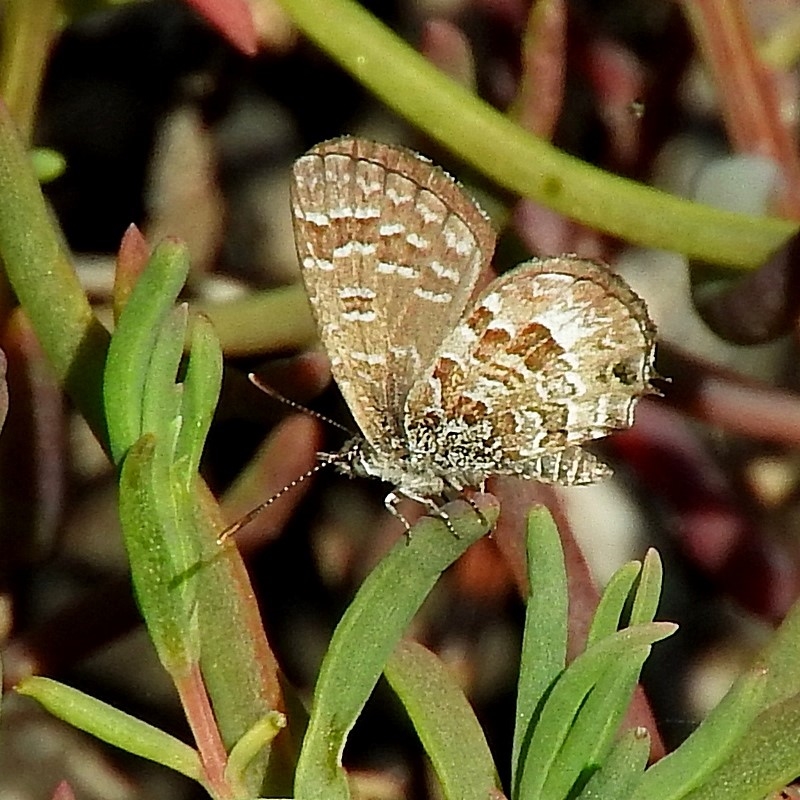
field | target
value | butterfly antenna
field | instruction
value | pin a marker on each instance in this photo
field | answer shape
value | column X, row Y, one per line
column 251, row 515
column 268, row 390
column 326, row 459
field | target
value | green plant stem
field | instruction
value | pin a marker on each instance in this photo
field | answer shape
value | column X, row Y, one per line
column 27, row 33
column 517, row 160
column 45, row 282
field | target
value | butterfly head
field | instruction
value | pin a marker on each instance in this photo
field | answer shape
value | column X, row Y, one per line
column 411, row 476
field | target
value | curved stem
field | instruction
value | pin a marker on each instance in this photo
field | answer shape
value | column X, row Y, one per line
column 520, row 162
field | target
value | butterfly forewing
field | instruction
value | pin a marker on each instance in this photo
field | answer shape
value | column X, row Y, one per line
column 553, row 354
column 391, row 249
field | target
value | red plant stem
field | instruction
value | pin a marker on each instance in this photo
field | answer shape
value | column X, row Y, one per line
column 541, row 89
column 747, row 92
column 730, row 402
column 445, row 45
column 197, row 707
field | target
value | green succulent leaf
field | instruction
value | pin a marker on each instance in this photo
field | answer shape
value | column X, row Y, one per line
column 133, row 347
column 591, row 736
column 648, row 590
column 621, row 773
column 157, row 427
column 633, row 591
column 113, row 726
column 544, row 643
column 568, row 695
column 695, row 761
column 365, row 638
column 157, row 549
column 201, row 387
column 445, row 722
column 610, row 610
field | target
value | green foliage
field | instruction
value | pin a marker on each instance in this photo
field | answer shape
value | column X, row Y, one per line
column 445, row 722
column 158, row 406
column 113, row 726
column 578, row 710
column 157, row 429
column 365, row 638
column 520, row 162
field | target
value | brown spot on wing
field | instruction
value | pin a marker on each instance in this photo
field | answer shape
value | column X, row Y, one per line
column 580, row 356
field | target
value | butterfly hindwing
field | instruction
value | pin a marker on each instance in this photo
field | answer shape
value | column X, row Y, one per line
column 555, row 353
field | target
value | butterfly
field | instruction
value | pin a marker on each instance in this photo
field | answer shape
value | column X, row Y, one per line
column 449, row 385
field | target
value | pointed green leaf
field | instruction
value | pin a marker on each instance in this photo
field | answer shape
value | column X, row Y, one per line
column 201, row 387
column 134, row 341
column 648, row 590
column 161, row 398
column 544, row 643
column 608, row 614
column 568, row 695
column 48, row 164
column 592, row 734
column 113, row 726
column 445, row 722
column 364, row 640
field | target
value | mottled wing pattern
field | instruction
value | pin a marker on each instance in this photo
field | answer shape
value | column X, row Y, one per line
column 391, row 249
column 554, row 353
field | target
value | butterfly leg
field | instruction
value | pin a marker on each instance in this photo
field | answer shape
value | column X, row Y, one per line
column 460, row 490
column 438, row 511
column 393, row 498
column 390, row 501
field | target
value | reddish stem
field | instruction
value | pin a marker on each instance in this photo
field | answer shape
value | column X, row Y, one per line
column 541, row 89
column 445, row 45
column 747, row 89
column 730, row 402
column 200, row 715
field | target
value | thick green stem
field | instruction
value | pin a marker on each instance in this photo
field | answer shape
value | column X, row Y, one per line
column 45, row 283
column 517, row 160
